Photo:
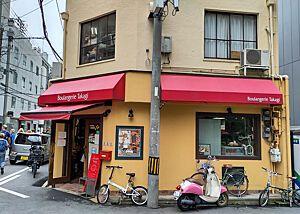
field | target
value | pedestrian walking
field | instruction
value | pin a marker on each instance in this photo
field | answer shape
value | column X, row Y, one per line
column 4, row 130
column 12, row 139
column 3, row 148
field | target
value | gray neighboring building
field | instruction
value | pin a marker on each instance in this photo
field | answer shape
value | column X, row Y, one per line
column 28, row 78
column 289, row 52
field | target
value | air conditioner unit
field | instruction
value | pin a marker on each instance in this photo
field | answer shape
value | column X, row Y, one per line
column 255, row 58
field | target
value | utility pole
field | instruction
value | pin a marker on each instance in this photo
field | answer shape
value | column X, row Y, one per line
column 10, row 35
column 154, row 134
column 1, row 28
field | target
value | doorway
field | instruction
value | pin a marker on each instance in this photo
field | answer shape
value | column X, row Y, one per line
column 87, row 141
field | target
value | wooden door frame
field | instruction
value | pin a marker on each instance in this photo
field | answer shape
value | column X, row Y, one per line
column 67, row 178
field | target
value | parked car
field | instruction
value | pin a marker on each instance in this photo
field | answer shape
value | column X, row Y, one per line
column 22, row 144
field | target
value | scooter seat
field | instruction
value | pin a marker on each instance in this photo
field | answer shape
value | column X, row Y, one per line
column 229, row 166
column 196, row 181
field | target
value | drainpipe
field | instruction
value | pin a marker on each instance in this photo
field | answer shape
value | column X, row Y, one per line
column 287, row 120
column 65, row 17
column 271, row 4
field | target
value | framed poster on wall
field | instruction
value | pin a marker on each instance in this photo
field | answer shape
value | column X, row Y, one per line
column 129, row 142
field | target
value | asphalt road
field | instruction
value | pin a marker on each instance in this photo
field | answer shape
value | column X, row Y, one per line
column 19, row 196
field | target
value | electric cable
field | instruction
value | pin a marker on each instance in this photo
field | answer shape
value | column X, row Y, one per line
column 59, row 15
column 57, row 56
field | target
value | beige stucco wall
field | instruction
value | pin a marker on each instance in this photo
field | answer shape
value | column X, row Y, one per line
column 134, row 32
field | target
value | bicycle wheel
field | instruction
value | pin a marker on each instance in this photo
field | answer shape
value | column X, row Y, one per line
column 103, row 194
column 236, row 183
column 296, row 197
column 199, row 175
column 263, row 197
column 139, row 195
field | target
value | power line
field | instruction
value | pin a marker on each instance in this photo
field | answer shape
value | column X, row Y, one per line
column 35, row 9
column 45, row 31
column 24, row 69
column 59, row 15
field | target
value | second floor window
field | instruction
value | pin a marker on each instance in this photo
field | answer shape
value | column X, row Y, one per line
column 16, row 53
column 24, row 60
column 29, row 106
column 36, row 89
column 98, row 39
column 15, row 77
column 23, row 82
column 30, row 86
column 13, row 102
column 22, row 104
column 31, row 66
column 37, row 70
column 225, row 35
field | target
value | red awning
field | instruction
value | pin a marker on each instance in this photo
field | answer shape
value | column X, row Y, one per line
column 220, row 90
column 110, row 87
column 62, row 112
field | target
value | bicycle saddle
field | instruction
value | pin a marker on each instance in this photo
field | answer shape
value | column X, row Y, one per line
column 131, row 174
column 229, row 166
column 293, row 178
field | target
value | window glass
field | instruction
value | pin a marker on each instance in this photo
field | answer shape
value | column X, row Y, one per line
column 24, row 59
column 23, row 82
column 225, row 34
column 29, row 106
column 36, row 89
column 13, row 102
column 227, row 135
column 28, row 139
column 15, row 77
column 31, row 66
column 30, row 86
column 16, row 53
column 37, row 70
column 98, row 39
column 22, row 104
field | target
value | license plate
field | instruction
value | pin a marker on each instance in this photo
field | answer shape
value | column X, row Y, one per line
column 176, row 194
column 24, row 158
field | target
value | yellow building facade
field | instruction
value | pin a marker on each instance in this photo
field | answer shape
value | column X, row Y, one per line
column 198, row 51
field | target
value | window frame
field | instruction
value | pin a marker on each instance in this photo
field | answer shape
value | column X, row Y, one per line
column 16, row 53
column 30, row 86
column 256, row 134
column 37, row 70
column 82, row 47
column 31, row 66
column 229, row 29
column 24, row 60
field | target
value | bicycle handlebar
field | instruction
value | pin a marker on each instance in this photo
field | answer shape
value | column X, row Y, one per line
column 272, row 172
column 118, row 167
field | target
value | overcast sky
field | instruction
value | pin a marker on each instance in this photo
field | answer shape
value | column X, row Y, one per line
column 33, row 22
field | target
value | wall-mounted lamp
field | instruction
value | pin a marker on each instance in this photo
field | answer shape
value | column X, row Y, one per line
column 130, row 115
column 229, row 110
column 106, row 113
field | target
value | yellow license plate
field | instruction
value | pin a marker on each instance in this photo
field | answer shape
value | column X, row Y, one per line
column 24, row 158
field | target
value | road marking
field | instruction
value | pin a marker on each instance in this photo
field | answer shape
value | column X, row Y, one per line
column 13, row 174
column 10, row 179
column 14, row 193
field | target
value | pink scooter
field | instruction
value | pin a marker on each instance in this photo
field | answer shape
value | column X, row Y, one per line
column 190, row 193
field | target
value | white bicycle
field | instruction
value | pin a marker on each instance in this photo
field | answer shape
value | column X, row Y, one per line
column 137, row 194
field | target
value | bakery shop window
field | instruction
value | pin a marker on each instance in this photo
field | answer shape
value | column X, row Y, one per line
column 228, row 136
column 98, row 39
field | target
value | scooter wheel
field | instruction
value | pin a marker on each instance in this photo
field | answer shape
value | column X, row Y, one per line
column 183, row 207
column 223, row 200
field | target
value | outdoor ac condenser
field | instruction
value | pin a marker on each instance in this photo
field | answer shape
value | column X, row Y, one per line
column 255, row 58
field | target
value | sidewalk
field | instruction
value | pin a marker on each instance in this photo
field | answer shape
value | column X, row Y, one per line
column 165, row 200
column 247, row 200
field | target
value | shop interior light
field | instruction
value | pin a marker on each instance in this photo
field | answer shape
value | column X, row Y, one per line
column 130, row 115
